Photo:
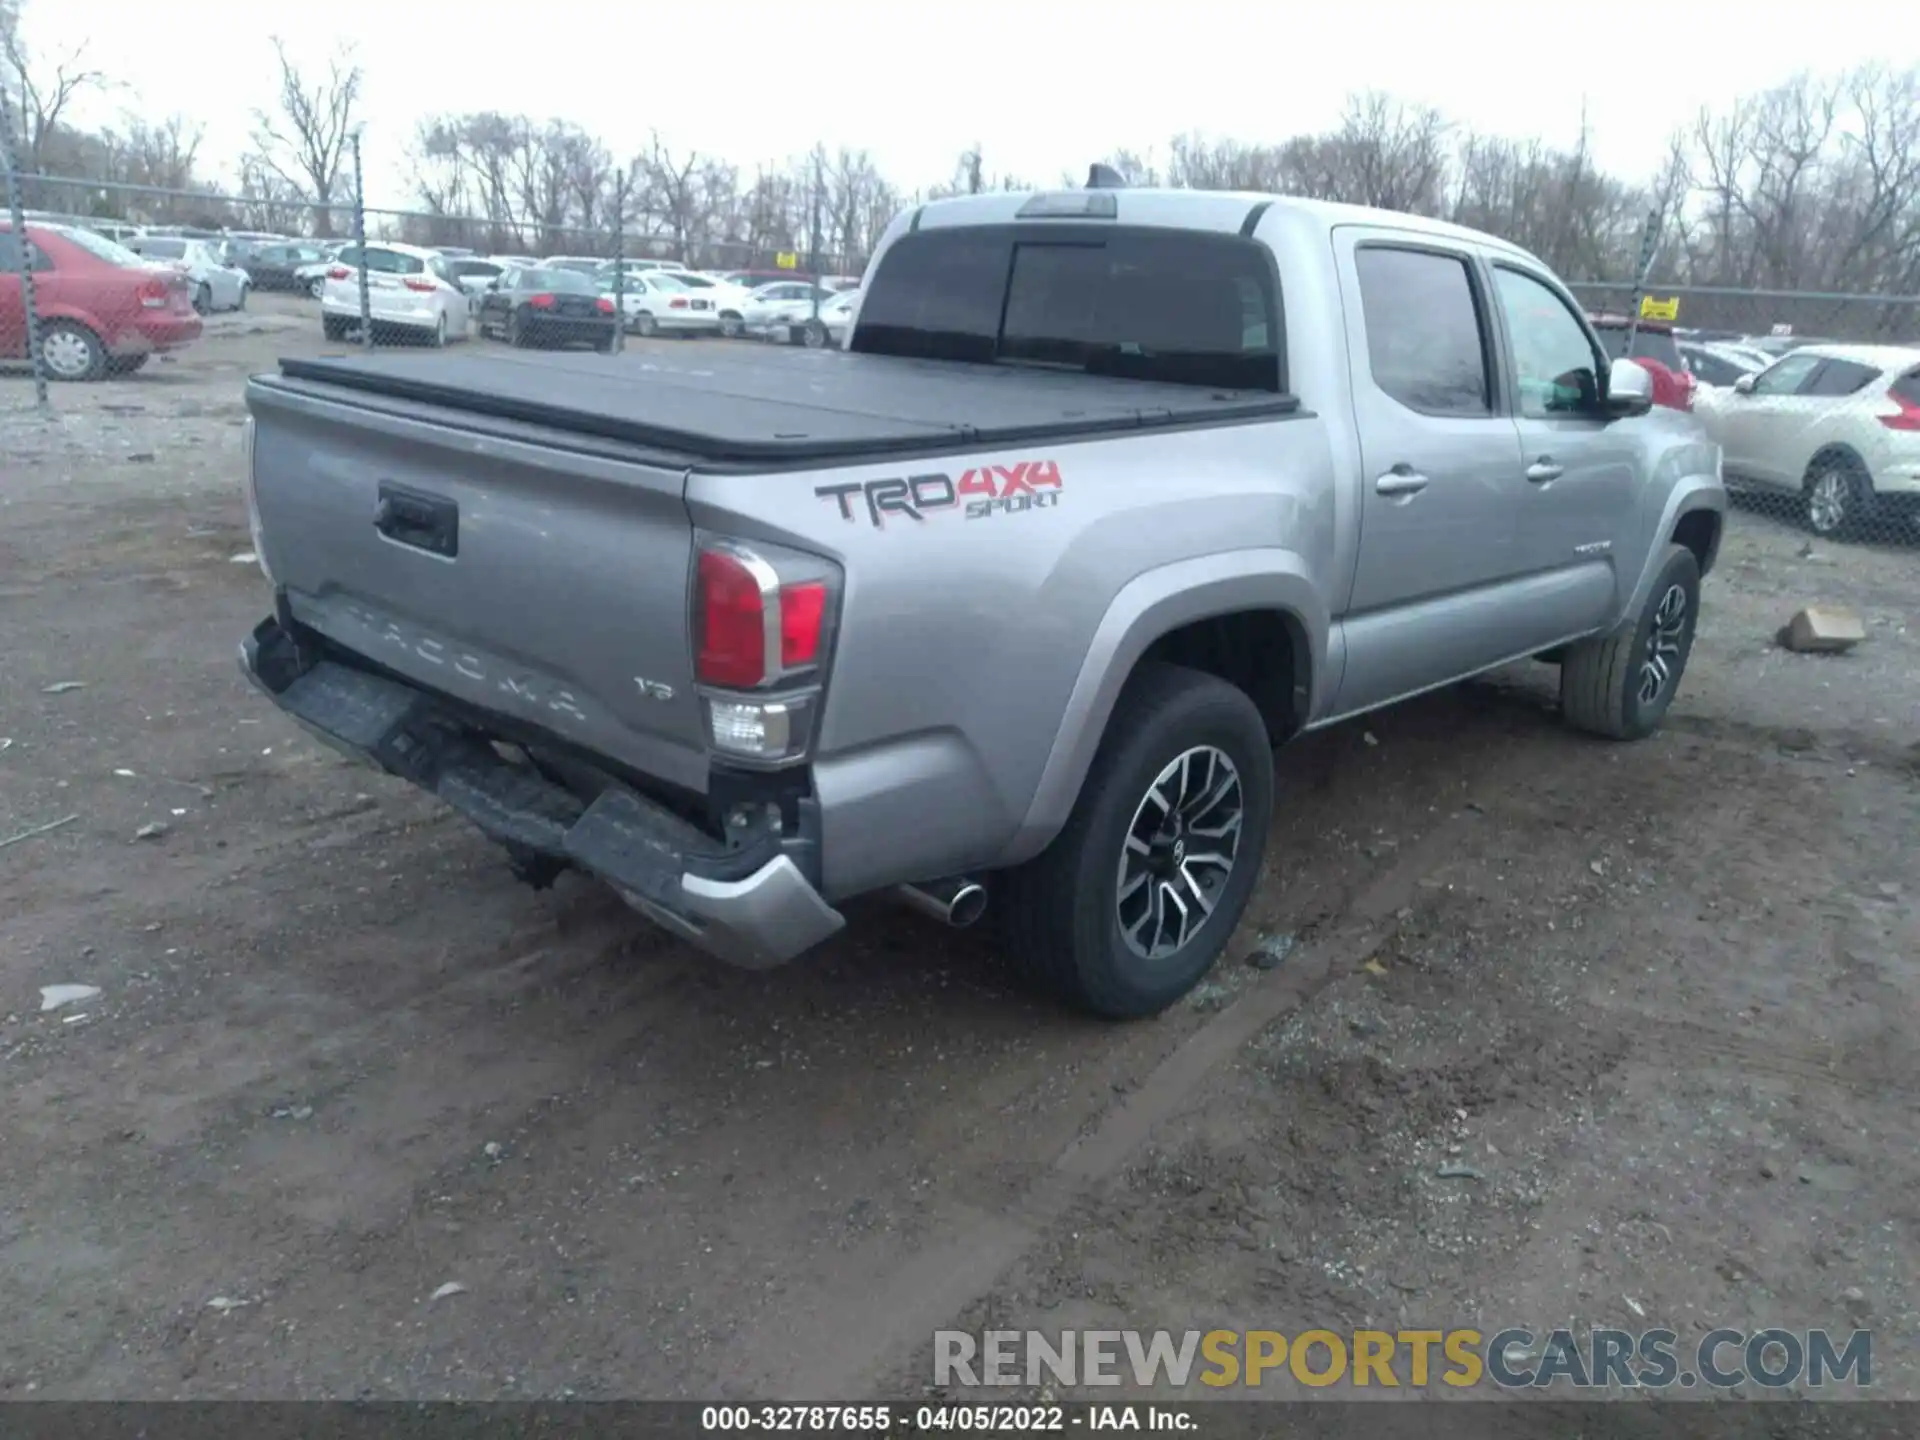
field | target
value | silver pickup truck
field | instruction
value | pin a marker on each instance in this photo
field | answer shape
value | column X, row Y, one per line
column 1111, row 492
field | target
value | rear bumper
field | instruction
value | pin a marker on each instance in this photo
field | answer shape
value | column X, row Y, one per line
column 162, row 332
column 751, row 906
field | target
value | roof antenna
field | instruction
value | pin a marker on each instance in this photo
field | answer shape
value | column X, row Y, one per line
column 1105, row 177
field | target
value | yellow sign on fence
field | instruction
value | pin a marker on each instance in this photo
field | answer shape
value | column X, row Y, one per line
column 787, row 260
column 1652, row 309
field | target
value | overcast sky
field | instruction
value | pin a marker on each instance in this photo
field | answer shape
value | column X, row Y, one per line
column 1043, row 85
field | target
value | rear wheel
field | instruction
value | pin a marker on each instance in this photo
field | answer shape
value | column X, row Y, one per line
column 813, row 335
column 334, row 327
column 517, row 330
column 731, row 325
column 437, row 337
column 202, row 299
column 645, row 326
column 70, row 351
column 241, row 303
column 317, row 286
column 1136, row 897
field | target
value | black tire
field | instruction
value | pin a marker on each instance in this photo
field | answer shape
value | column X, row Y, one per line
column 125, row 364
column 202, row 299
column 604, row 345
column 437, row 336
column 1604, row 681
column 242, row 305
column 731, row 326
column 70, row 351
column 333, row 327
column 645, row 326
column 1059, row 915
column 317, row 286
column 1836, row 498
column 813, row 335
column 517, row 330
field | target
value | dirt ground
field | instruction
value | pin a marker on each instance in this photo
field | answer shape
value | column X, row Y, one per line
column 1661, row 999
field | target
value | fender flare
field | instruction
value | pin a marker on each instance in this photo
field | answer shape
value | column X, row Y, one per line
column 1147, row 607
column 1690, row 494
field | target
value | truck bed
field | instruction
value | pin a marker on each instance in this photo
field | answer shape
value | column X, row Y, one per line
column 769, row 406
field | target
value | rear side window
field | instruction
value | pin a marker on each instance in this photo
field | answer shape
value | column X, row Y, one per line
column 392, row 262
column 1424, row 337
column 1784, row 377
column 164, row 249
column 1711, row 369
column 1169, row 306
column 1840, row 377
column 1907, row 387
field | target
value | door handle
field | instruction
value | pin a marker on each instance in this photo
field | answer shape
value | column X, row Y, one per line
column 1401, row 481
column 1544, row 469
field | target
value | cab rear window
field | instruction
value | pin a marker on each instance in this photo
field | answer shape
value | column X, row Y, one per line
column 1173, row 306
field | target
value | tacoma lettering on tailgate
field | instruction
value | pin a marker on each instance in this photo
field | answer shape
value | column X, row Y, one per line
column 981, row 491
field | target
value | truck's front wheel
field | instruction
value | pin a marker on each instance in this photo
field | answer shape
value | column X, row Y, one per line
column 1138, row 894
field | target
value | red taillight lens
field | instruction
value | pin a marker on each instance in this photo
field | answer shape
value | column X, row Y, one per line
column 733, row 622
column 676, row 304
column 733, row 595
column 151, row 292
column 541, row 302
column 338, row 272
column 424, row 285
column 1907, row 417
column 802, row 609
column 603, row 305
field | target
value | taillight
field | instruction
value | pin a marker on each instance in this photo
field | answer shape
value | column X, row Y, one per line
column 424, row 284
column 152, row 293
column 753, row 629
column 1907, row 417
column 541, row 302
column 676, row 304
column 603, row 305
column 338, row 272
column 1687, row 388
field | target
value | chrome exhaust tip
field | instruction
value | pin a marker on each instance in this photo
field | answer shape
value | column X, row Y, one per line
column 957, row 902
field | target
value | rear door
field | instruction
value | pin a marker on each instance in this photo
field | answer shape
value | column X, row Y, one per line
column 13, row 307
column 1440, row 462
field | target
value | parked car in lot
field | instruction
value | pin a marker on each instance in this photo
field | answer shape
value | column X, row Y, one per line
column 729, row 300
column 1716, row 366
column 280, row 267
column 772, row 308
column 409, row 292
column 1836, row 425
column 829, row 328
column 580, row 264
column 542, row 305
column 1013, row 600
column 1653, row 346
column 213, row 284
column 311, row 276
column 663, row 304
column 102, row 309
column 475, row 275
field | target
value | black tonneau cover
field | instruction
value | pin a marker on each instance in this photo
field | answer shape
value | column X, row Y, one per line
column 773, row 405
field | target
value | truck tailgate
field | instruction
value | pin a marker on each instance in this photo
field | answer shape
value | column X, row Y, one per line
column 542, row 583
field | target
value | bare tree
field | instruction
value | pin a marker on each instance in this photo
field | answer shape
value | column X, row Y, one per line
column 305, row 143
column 40, row 92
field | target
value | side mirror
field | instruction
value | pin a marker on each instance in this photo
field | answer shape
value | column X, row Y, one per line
column 1629, row 389
column 1744, row 385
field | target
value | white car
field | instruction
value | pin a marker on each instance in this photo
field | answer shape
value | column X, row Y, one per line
column 1718, row 366
column 409, row 289
column 771, row 309
column 658, row 304
column 214, row 284
column 728, row 299
column 1837, row 425
column 837, row 315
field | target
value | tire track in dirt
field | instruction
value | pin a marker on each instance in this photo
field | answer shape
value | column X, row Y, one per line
column 853, row 1334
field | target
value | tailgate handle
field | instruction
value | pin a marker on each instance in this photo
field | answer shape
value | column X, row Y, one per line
column 415, row 518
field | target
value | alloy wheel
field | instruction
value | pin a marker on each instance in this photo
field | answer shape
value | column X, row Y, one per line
column 66, row 354
column 1827, row 501
column 1179, row 852
column 1663, row 644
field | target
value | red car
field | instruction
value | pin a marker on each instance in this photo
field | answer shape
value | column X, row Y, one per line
column 102, row 309
column 1655, row 351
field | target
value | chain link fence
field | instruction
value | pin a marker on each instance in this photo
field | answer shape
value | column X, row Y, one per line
column 1814, row 397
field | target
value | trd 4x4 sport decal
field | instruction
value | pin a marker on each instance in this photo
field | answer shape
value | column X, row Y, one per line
column 979, row 492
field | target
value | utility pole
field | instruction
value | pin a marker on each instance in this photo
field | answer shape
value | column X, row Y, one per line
column 819, row 166
column 360, row 243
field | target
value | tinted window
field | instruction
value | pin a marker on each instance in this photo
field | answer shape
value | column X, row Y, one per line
column 1554, row 365
column 1783, row 377
column 1655, row 345
column 164, row 249
column 1423, row 330
column 1710, row 369
column 1841, row 377
column 566, row 282
column 1155, row 305
column 392, row 262
column 1907, row 387
column 486, row 269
